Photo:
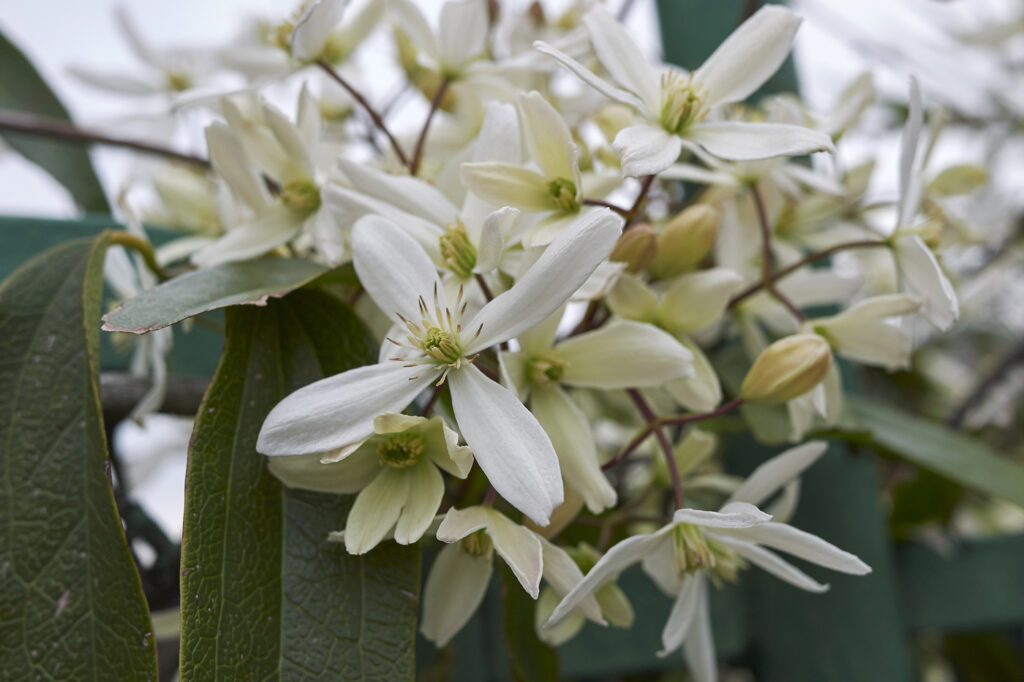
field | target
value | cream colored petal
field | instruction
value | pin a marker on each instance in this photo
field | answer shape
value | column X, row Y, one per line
column 547, row 137
column 681, row 617
column 697, row 299
column 426, row 488
column 624, row 354
column 505, row 184
column 520, row 548
column 348, row 476
column 745, row 141
column 561, row 633
column 777, row 472
column 454, row 590
column 646, row 149
column 632, row 299
column 562, row 573
column 702, row 392
column 375, row 511
column 622, row 57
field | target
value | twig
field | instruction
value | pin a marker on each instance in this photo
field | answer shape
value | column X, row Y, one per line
column 483, row 287
column 120, row 392
column 767, row 276
column 634, row 210
column 666, row 447
column 377, row 120
column 431, row 400
column 1014, row 356
column 142, row 247
column 19, row 122
column 435, row 104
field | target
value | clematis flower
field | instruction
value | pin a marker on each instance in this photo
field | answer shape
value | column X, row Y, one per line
column 395, row 472
column 698, row 546
column 460, row 574
column 510, row 446
column 676, row 107
column 863, row 333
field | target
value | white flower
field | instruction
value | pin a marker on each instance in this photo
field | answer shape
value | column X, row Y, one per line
column 698, row 545
column 863, row 332
column 675, row 106
column 459, row 577
column 395, row 472
column 506, row 439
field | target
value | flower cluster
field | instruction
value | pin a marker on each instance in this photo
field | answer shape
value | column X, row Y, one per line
column 553, row 302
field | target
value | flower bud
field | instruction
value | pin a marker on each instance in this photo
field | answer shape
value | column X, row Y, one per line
column 685, row 241
column 636, row 247
column 787, row 369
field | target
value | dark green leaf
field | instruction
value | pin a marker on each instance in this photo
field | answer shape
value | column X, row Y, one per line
column 264, row 596
column 23, row 89
column 251, row 282
column 528, row 658
column 942, row 450
column 71, row 603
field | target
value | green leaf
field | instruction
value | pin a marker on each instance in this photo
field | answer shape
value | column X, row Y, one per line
column 70, row 596
column 251, row 283
column 943, row 450
column 264, row 596
column 529, row 659
column 23, row 89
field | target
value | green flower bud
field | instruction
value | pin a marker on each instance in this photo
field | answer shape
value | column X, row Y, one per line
column 787, row 369
column 637, row 248
column 685, row 241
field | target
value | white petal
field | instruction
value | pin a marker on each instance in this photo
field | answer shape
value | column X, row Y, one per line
column 463, row 31
column 539, row 339
column 910, row 183
column 349, row 205
column 308, row 472
column 744, row 141
column 561, row 269
column 458, row 523
column 624, row 354
column 138, row 42
column 126, row 84
column 232, row 163
column 805, row 546
column 646, row 149
column 633, row 299
column 289, row 137
column 749, row 56
column 340, row 409
column 547, row 137
column 702, row 176
column 376, row 510
column 520, row 548
column 426, row 488
column 412, row 22
column 408, row 194
column 505, row 184
column 699, row 647
column 563, row 574
column 393, row 268
column 456, row 459
column 508, row 443
column 591, row 79
column 777, row 472
column 454, row 590
column 702, row 392
column 499, row 135
column 314, row 26
column 774, row 564
column 491, row 242
column 620, row 557
column 732, row 515
column 621, row 57
column 561, row 633
column 697, row 299
column 680, row 618
column 922, row 276
column 569, row 430
column 268, row 230
column 660, row 566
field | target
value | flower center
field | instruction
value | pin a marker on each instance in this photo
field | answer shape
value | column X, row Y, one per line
column 437, row 339
column 563, row 194
column 178, row 81
column 694, row 552
column 441, row 345
column 681, row 102
column 281, row 35
column 401, row 450
column 545, row 371
column 457, row 251
column 301, row 195
column 477, row 544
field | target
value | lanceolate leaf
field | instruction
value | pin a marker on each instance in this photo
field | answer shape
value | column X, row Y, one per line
column 940, row 449
column 251, row 282
column 23, row 89
column 264, row 596
column 71, row 606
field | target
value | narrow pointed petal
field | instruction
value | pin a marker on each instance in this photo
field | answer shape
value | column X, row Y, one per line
column 774, row 564
column 520, row 548
column 547, row 137
column 508, row 443
column 339, row 410
column 453, row 592
column 563, row 574
column 408, row 194
column 622, row 57
column 743, row 141
column 393, row 268
column 458, row 523
column 699, row 647
column 375, row 511
column 125, row 84
column 314, row 26
column 569, row 430
column 309, row 472
column 505, row 184
column 491, row 242
column 910, row 183
column 777, row 472
column 594, row 81
column 732, row 515
column 702, row 392
column 351, row 206
column 563, row 267
column 620, row 557
column 680, row 618
column 624, row 354
column 660, row 566
column 426, row 488
column 923, row 277
column 646, row 149
column 232, row 163
column 805, row 546
column 697, row 299
column 539, row 339
column 463, row 31
column 289, row 137
column 269, row 230
column 749, row 56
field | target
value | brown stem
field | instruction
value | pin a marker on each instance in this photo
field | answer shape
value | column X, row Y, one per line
column 998, row 374
column 666, row 447
column 374, row 116
column 435, row 104
column 634, row 210
column 767, row 276
column 430, row 401
column 19, row 122
column 483, row 287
